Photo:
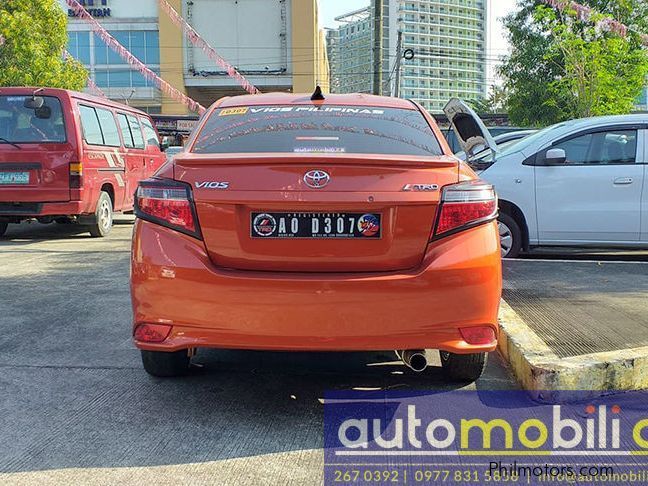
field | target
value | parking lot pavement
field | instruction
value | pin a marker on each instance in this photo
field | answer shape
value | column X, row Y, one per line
column 578, row 306
column 78, row 409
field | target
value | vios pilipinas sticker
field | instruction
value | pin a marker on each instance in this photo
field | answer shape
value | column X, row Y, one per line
column 368, row 225
column 264, row 224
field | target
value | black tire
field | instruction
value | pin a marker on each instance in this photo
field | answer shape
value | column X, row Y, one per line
column 464, row 368
column 510, row 236
column 3, row 229
column 103, row 217
column 159, row 363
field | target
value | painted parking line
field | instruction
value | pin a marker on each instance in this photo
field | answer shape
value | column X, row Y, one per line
column 602, row 262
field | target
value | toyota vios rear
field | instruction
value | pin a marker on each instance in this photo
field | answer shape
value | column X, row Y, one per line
column 293, row 223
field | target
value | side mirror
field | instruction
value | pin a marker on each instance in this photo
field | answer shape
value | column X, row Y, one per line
column 555, row 157
column 34, row 103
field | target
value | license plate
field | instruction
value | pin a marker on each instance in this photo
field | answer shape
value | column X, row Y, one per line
column 315, row 225
column 14, row 177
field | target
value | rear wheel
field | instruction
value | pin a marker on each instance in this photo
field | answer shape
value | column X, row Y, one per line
column 103, row 217
column 159, row 363
column 510, row 236
column 463, row 367
column 3, row 228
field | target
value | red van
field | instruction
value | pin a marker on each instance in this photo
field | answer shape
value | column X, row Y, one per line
column 71, row 157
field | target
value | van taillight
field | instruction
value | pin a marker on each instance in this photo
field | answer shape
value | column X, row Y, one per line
column 76, row 175
column 465, row 205
column 168, row 203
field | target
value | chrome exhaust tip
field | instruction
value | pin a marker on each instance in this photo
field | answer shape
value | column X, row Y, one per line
column 414, row 359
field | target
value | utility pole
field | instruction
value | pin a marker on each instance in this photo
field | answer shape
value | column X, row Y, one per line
column 377, row 48
column 399, row 58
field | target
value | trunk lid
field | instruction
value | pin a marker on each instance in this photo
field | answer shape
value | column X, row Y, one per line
column 231, row 190
column 35, row 172
column 472, row 134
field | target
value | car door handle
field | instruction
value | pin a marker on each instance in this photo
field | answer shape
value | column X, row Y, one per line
column 623, row 181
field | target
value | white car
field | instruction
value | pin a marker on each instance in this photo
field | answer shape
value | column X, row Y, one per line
column 577, row 183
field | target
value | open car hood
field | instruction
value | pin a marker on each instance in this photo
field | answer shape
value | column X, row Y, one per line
column 472, row 134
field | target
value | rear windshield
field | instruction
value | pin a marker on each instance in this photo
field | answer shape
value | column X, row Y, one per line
column 19, row 124
column 312, row 129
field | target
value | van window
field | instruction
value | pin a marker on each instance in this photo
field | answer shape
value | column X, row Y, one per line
column 125, row 130
column 108, row 127
column 150, row 134
column 136, row 131
column 90, row 124
column 24, row 125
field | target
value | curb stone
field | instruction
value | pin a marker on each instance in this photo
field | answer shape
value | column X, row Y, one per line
column 550, row 378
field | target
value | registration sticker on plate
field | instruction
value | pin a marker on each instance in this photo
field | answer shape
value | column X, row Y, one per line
column 14, row 177
column 315, row 225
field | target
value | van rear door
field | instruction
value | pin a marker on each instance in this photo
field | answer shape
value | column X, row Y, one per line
column 35, row 152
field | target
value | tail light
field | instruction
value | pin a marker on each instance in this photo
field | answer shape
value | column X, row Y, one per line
column 465, row 205
column 167, row 203
column 76, row 175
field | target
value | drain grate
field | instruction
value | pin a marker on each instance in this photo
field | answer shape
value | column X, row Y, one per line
column 580, row 308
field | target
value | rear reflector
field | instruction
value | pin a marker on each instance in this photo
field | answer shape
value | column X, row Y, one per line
column 465, row 205
column 478, row 335
column 167, row 203
column 152, row 333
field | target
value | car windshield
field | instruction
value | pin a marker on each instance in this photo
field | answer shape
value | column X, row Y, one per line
column 487, row 155
column 317, row 129
column 530, row 140
column 19, row 124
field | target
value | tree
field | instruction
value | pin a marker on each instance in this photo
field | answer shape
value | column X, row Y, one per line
column 562, row 67
column 495, row 102
column 34, row 37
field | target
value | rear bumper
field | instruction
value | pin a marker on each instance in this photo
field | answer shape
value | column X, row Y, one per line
column 36, row 209
column 174, row 282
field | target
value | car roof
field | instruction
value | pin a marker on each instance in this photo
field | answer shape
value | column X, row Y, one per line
column 63, row 93
column 604, row 120
column 355, row 99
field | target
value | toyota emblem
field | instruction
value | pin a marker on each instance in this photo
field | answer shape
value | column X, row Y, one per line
column 316, row 179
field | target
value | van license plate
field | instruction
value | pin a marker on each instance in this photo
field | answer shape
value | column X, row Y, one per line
column 14, row 177
column 315, row 225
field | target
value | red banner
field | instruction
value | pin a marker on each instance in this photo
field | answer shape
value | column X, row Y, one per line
column 584, row 13
column 125, row 54
column 196, row 39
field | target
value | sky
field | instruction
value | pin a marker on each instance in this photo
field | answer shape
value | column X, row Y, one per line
column 497, row 43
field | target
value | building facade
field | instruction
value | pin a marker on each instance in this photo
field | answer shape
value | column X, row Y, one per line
column 445, row 42
column 642, row 103
column 277, row 45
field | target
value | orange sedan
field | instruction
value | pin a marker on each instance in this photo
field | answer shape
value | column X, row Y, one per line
column 297, row 222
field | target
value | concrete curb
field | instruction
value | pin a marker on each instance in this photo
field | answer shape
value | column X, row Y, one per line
column 549, row 377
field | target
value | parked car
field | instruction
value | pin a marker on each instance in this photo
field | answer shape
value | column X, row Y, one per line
column 455, row 144
column 172, row 151
column 301, row 223
column 503, row 140
column 69, row 156
column 578, row 183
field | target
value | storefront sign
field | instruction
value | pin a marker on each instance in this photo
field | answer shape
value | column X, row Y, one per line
column 96, row 8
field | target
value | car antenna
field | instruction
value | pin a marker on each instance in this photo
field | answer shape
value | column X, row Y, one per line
column 317, row 94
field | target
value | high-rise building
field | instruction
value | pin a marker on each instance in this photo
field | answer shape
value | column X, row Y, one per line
column 277, row 45
column 350, row 52
column 445, row 43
